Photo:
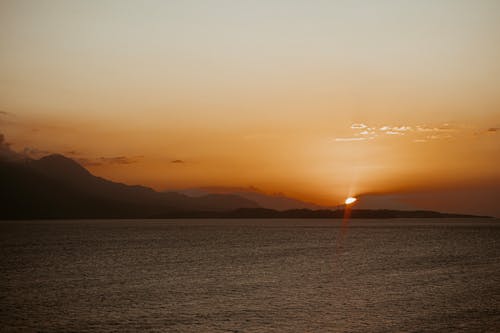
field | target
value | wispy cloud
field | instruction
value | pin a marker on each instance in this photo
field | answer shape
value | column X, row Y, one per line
column 441, row 128
column 72, row 153
column 349, row 139
column 6, row 153
column 118, row 160
column 4, row 146
column 177, row 161
column 115, row 160
column 358, row 126
column 35, row 152
column 416, row 133
column 88, row 162
column 394, row 133
column 26, row 153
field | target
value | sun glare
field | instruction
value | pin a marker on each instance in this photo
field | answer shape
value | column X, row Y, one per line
column 350, row 200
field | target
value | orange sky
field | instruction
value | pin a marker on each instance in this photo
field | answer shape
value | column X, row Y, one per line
column 315, row 99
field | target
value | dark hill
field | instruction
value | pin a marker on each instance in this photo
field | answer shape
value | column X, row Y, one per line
column 271, row 201
column 58, row 187
column 257, row 213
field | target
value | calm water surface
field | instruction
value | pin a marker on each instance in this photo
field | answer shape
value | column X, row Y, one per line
column 250, row 276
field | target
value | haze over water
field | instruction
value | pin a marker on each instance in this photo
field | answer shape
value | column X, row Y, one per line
column 250, row 275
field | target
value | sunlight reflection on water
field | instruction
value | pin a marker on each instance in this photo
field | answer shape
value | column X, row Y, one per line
column 250, row 276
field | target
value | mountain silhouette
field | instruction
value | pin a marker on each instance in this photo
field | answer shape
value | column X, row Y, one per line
column 257, row 213
column 58, row 187
column 270, row 201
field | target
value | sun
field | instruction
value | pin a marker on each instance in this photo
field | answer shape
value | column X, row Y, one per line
column 350, row 200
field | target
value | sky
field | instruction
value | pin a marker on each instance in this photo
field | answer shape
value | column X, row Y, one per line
column 318, row 100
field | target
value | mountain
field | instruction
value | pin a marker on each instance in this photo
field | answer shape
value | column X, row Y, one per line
column 270, row 201
column 58, row 187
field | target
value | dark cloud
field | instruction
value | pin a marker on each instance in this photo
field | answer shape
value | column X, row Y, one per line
column 3, row 144
column 88, row 162
column 35, row 152
column 6, row 153
column 72, row 153
column 177, row 161
column 494, row 129
column 118, row 160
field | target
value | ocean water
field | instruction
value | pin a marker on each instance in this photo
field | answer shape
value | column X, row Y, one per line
column 250, row 276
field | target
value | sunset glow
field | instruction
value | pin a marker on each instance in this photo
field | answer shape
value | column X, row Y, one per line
column 305, row 101
column 249, row 165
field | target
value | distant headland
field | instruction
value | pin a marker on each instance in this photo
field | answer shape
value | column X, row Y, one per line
column 57, row 187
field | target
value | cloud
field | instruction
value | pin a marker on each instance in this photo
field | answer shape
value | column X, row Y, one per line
column 425, row 129
column 35, row 152
column 488, row 131
column 402, row 128
column 177, row 161
column 6, row 153
column 4, row 146
column 88, row 162
column 72, row 153
column 115, row 160
column 441, row 128
column 439, row 136
column 414, row 132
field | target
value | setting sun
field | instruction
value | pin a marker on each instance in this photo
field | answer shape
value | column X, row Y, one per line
column 350, row 200
column 189, row 161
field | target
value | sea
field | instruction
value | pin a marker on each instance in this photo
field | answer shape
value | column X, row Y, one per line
column 245, row 275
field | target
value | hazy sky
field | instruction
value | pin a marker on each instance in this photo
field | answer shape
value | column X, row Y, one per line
column 317, row 99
